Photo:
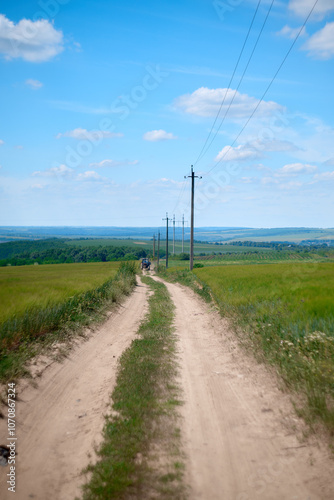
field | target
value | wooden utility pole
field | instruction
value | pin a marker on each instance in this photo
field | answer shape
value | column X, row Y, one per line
column 158, row 256
column 166, row 238
column 192, row 176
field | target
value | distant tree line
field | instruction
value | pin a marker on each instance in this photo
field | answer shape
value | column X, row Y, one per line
column 56, row 252
column 18, row 247
column 277, row 245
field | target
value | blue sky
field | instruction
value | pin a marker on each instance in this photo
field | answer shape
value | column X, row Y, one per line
column 106, row 104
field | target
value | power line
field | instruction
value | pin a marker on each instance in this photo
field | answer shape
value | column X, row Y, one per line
column 242, row 77
column 268, row 87
column 167, row 220
column 230, row 82
column 182, row 190
column 193, row 177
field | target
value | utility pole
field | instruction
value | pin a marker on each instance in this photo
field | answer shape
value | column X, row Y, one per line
column 174, row 234
column 192, row 176
column 153, row 246
column 166, row 238
column 158, row 256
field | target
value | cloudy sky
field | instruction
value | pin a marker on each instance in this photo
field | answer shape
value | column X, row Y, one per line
column 105, row 105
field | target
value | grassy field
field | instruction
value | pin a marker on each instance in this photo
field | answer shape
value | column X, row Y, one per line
column 25, row 286
column 295, row 235
column 113, row 242
column 255, row 256
column 304, row 291
column 43, row 306
column 269, row 256
column 148, row 244
column 286, row 312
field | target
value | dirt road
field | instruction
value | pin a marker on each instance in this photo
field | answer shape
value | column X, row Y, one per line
column 239, row 430
column 59, row 422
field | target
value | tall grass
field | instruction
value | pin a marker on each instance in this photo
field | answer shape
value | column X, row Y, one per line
column 287, row 313
column 23, row 287
column 51, row 317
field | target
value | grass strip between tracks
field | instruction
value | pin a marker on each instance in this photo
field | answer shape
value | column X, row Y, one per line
column 140, row 455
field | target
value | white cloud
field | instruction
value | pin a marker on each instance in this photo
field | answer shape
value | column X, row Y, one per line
column 285, row 177
column 293, row 169
column 113, row 163
column 33, row 84
column 158, row 135
column 33, row 41
column 2, row 142
column 93, row 135
column 329, row 162
column 77, row 107
column 321, row 44
column 324, row 176
column 289, row 32
column 303, row 7
column 18, row 147
column 77, row 46
column 275, row 145
column 164, row 182
column 206, row 102
column 61, row 171
column 239, row 153
column 90, row 175
column 268, row 180
column 290, row 185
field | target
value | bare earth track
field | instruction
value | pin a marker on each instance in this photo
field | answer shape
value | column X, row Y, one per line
column 239, row 430
column 59, row 423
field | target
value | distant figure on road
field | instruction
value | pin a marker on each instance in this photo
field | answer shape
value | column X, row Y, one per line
column 145, row 264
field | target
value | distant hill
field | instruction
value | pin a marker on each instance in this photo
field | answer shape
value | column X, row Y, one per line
column 302, row 235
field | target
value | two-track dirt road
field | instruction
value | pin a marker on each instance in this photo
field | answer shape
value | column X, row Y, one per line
column 238, row 429
column 60, row 421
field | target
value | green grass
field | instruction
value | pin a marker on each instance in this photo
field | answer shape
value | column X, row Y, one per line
column 253, row 256
column 24, row 287
column 185, row 277
column 304, row 291
column 113, row 242
column 142, row 434
column 286, row 313
column 148, row 244
column 268, row 257
column 56, row 314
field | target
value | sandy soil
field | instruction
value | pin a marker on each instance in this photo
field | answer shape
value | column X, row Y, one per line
column 60, row 421
column 239, row 429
